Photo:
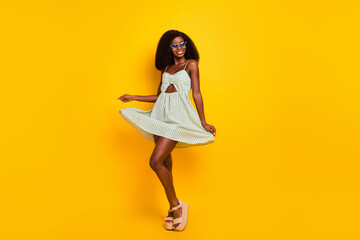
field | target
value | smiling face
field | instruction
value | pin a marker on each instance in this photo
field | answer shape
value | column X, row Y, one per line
column 179, row 51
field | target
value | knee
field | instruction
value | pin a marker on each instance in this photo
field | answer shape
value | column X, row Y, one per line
column 154, row 163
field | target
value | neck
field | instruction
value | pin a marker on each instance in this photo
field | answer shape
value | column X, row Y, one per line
column 179, row 61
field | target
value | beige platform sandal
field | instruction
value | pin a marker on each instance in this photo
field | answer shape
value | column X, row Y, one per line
column 184, row 217
column 169, row 225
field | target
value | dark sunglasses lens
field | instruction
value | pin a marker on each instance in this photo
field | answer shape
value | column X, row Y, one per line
column 182, row 44
column 174, row 45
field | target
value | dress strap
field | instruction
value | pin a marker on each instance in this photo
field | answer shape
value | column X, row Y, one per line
column 165, row 68
column 186, row 63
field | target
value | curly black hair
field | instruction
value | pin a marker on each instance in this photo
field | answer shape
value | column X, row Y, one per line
column 164, row 55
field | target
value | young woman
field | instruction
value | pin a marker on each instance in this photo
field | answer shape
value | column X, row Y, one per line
column 173, row 121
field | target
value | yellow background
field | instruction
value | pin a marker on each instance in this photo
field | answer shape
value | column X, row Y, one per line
column 280, row 82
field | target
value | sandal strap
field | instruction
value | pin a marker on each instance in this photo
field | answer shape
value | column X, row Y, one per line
column 177, row 220
column 174, row 208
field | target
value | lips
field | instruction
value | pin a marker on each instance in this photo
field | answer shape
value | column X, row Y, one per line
column 179, row 52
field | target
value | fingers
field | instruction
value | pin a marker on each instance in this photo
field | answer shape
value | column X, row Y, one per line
column 213, row 129
column 124, row 98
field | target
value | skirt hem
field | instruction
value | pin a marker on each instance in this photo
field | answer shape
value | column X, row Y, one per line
column 143, row 130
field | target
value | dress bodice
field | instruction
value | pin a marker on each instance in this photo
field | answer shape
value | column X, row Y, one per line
column 181, row 81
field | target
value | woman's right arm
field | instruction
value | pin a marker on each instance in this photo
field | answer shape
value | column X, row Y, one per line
column 149, row 98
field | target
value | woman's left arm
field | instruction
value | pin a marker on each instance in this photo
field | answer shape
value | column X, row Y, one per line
column 195, row 85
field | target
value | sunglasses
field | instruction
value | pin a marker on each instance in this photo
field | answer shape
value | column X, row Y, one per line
column 175, row 46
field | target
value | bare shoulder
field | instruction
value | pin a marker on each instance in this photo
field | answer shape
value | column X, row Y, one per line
column 193, row 65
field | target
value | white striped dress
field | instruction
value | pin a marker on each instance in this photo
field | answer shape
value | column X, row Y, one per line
column 172, row 116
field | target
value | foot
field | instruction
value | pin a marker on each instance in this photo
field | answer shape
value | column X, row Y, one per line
column 170, row 214
column 176, row 214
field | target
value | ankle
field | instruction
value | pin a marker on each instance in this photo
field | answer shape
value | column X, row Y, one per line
column 175, row 203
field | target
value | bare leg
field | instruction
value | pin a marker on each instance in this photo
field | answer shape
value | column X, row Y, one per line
column 162, row 151
column 168, row 164
column 168, row 161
